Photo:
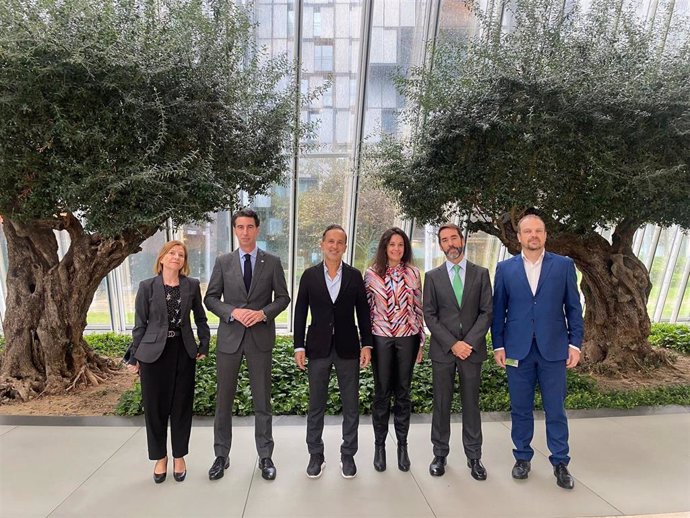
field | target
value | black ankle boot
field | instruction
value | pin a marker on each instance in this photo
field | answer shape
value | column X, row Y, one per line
column 380, row 457
column 403, row 458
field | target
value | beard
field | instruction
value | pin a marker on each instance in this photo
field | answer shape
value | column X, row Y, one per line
column 454, row 252
column 534, row 245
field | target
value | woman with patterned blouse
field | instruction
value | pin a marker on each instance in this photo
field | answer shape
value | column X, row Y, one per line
column 164, row 353
column 394, row 291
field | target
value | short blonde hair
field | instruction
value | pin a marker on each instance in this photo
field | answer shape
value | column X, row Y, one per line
column 158, row 267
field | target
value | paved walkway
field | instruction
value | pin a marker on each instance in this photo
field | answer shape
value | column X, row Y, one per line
column 624, row 463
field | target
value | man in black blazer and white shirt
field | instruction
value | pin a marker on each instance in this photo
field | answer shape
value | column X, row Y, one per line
column 252, row 285
column 333, row 291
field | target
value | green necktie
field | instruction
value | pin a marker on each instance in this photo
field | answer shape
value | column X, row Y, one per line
column 457, row 284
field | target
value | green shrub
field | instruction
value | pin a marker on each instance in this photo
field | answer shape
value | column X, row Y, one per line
column 290, row 393
column 113, row 345
column 671, row 336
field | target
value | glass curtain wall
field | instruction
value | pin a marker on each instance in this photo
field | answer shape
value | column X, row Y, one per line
column 355, row 47
column 398, row 31
column 331, row 43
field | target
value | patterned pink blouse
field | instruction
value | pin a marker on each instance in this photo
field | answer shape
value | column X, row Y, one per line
column 395, row 302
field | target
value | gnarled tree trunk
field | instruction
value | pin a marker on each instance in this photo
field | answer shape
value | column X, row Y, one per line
column 616, row 287
column 47, row 303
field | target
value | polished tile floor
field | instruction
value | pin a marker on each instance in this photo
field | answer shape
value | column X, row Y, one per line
column 624, row 463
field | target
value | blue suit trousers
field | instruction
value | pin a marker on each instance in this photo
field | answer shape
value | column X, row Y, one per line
column 522, row 382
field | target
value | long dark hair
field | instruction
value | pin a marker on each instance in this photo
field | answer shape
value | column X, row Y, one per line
column 381, row 259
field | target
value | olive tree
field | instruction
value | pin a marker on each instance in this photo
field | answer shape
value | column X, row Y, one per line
column 116, row 116
column 581, row 116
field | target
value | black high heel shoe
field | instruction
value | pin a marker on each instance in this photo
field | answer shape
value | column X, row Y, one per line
column 160, row 477
column 179, row 476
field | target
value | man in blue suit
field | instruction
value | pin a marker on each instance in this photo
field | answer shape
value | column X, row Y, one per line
column 537, row 334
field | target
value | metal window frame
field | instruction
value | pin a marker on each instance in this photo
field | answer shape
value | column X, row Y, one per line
column 669, row 268
column 683, row 286
column 360, row 109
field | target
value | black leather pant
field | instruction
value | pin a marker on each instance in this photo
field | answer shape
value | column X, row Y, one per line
column 393, row 362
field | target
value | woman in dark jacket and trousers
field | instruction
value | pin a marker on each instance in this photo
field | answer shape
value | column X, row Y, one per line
column 164, row 353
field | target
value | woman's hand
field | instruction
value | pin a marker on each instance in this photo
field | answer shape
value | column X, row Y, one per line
column 420, row 355
column 134, row 369
column 200, row 356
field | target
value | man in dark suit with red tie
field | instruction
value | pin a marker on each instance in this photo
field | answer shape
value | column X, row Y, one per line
column 333, row 292
column 537, row 332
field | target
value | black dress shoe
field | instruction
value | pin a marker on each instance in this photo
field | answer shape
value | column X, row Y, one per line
column 160, row 477
column 268, row 470
column 179, row 476
column 316, row 465
column 521, row 469
column 563, row 478
column 403, row 458
column 477, row 469
column 379, row 457
column 218, row 468
column 437, row 468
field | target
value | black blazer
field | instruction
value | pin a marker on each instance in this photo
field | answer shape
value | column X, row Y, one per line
column 332, row 320
column 151, row 320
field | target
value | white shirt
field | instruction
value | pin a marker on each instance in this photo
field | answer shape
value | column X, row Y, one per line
column 333, row 284
column 533, row 271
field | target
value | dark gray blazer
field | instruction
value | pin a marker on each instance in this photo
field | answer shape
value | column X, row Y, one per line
column 268, row 292
column 449, row 322
column 151, row 319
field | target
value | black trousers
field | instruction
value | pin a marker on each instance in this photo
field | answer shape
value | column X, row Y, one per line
column 443, row 375
column 167, row 388
column 393, row 363
column 319, row 373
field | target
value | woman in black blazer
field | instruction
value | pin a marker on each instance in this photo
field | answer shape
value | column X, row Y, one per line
column 164, row 353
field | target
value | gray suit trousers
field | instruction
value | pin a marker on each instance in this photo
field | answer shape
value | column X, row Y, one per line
column 227, row 369
column 443, row 383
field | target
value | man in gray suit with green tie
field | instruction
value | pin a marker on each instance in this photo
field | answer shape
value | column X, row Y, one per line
column 457, row 311
column 252, row 286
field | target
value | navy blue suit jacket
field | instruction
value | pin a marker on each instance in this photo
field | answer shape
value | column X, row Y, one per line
column 553, row 315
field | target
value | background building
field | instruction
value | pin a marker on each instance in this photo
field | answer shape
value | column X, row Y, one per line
column 356, row 47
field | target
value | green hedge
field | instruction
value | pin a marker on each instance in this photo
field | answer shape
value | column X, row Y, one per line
column 290, row 387
column 109, row 344
column 290, row 390
column 671, row 336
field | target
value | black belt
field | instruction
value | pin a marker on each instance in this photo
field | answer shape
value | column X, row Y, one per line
column 174, row 332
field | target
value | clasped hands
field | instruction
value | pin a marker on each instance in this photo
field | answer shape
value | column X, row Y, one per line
column 461, row 349
column 248, row 317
